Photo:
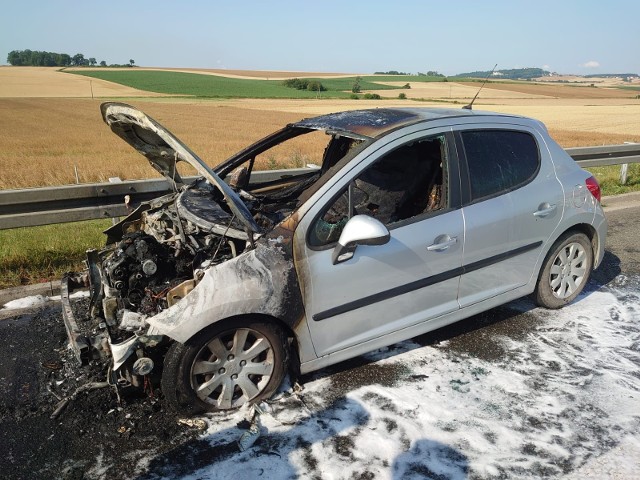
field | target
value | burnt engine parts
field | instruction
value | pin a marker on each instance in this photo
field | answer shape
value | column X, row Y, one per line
column 141, row 268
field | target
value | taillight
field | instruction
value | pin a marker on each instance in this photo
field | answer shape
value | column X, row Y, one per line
column 594, row 188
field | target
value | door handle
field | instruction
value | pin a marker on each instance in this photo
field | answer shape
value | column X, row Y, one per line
column 544, row 209
column 442, row 242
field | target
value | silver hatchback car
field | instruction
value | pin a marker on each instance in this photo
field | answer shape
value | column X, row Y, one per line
column 412, row 220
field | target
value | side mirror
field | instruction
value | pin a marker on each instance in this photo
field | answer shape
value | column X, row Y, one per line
column 360, row 230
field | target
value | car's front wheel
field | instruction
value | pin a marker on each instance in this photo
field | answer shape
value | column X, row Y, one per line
column 565, row 271
column 225, row 366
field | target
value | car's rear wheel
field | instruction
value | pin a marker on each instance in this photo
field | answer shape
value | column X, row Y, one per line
column 225, row 366
column 565, row 272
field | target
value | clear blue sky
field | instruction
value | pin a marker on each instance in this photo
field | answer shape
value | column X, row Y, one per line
column 566, row 36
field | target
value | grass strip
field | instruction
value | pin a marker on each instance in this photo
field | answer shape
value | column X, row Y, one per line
column 609, row 179
column 37, row 254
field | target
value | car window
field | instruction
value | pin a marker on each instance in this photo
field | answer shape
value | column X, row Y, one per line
column 405, row 183
column 499, row 160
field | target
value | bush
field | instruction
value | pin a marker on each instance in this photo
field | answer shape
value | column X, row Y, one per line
column 315, row 86
column 406, row 85
column 402, row 96
column 371, row 96
column 353, row 96
column 291, row 82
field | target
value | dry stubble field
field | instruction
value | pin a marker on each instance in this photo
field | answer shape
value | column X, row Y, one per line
column 47, row 82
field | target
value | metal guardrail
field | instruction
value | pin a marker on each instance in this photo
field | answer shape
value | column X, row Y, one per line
column 605, row 155
column 72, row 203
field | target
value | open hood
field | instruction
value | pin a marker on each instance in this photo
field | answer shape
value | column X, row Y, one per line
column 164, row 151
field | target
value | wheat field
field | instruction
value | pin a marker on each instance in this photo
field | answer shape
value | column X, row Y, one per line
column 43, row 141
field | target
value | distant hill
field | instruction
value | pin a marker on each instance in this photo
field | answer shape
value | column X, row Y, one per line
column 531, row 73
column 612, row 75
column 511, row 74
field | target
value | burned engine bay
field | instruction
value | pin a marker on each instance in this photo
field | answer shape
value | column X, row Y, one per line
column 154, row 258
column 159, row 256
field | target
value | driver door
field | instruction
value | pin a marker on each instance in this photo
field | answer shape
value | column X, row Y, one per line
column 386, row 288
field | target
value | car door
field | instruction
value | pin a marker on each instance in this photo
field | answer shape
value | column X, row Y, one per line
column 513, row 202
column 385, row 288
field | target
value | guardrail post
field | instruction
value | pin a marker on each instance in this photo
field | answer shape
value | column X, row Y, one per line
column 623, row 173
column 115, row 220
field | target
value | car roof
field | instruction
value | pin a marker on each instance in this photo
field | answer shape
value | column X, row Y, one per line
column 375, row 122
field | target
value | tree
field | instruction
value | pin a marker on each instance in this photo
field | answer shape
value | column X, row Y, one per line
column 14, row 58
column 103, row 63
column 131, row 62
column 92, row 61
column 78, row 59
column 356, row 86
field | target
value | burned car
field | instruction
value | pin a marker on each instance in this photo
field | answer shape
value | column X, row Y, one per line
column 412, row 220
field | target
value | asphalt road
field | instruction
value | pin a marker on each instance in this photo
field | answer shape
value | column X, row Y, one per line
column 505, row 362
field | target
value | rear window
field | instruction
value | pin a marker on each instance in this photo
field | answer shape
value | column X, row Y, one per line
column 499, row 160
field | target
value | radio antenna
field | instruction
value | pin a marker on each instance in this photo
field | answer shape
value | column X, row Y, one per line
column 468, row 107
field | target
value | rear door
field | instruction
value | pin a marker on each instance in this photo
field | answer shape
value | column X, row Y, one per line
column 513, row 202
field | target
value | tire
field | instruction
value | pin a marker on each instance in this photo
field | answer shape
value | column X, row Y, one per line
column 225, row 366
column 565, row 271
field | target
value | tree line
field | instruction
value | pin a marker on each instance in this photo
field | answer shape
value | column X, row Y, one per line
column 304, row 84
column 36, row 58
column 509, row 74
column 430, row 73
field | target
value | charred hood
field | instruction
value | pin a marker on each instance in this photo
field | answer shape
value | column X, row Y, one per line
column 164, row 150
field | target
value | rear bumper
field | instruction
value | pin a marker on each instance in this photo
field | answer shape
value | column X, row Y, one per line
column 601, row 227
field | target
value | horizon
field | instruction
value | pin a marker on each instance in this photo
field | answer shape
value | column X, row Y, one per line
column 312, row 72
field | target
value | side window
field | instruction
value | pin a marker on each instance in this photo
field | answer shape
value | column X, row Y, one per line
column 404, row 183
column 499, row 160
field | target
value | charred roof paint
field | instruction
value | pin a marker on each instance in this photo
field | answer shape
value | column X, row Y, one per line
column 369, row 123
column 375, row 122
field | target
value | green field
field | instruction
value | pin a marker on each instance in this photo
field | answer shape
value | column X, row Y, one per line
column 213, row 86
